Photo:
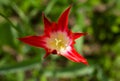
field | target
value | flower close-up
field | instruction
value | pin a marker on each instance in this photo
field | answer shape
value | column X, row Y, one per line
column 57, row 39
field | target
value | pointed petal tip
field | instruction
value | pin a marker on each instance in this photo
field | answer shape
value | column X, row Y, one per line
column 70, row 6
column 20, row 39
column 43, row 15
column 47, row 23
column 85, row 33
column 77, row 35
column 46, row 55
column 75, row 56
column 63, row 19
column 85, row 62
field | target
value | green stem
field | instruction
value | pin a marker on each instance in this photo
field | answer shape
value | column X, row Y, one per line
column 9, row 21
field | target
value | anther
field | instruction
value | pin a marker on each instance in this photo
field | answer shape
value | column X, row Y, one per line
column 57, row 41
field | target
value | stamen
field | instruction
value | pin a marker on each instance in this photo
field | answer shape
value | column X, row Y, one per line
column 57, row 41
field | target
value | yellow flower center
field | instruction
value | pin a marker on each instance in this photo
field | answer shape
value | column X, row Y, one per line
column 58, row 41
column 60, row 44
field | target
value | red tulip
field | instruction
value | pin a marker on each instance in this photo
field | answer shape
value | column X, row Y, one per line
column 57, row 39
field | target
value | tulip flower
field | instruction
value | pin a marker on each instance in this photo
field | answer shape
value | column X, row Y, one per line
column 57, row 39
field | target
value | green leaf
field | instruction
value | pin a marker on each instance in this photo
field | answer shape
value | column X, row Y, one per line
column 50, row 6
column 71, row 72
column 12, row 25
column 6, row 36
column 25, row 65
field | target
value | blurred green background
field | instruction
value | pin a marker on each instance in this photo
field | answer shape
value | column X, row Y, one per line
column 99, row 18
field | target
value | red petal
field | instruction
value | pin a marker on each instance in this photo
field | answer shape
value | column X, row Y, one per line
column 77, row 35
column 47, row 53
column 63, row 19
column 34, row 41
column 53, row 27
column 75, row 57
column 47, row 23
